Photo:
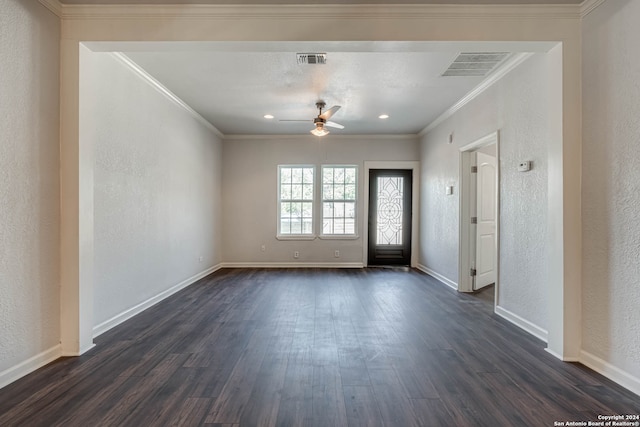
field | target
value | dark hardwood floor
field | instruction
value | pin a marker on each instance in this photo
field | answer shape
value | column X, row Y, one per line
column 311, row 347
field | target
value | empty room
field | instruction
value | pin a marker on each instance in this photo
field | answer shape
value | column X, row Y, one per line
column 304, row 213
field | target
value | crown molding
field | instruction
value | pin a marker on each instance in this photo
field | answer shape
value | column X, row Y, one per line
column 53, row 5
column 503, row 70
column 588, row 6
column 124, row 59
column 336, row 11
column 298, row 137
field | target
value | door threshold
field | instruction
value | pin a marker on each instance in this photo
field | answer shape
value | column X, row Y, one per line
column 405, row 268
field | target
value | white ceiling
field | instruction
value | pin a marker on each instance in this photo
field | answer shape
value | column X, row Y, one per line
column 233, row 85
column 234, row 90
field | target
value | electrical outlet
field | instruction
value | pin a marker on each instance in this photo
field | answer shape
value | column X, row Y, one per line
column 525, row 166
column 336, row 254
column 263, row 248
column 296, row 254
column 201, row 258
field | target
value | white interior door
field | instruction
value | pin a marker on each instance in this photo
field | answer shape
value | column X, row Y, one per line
column 485, row 247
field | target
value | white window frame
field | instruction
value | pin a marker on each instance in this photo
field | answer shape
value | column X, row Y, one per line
column 289, row 236
column 322, row 200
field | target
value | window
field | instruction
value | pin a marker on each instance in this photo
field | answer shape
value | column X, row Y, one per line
column 295, row 200
column 339, row 190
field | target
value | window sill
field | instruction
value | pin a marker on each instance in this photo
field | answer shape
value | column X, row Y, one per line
column 296, row 237
column 339, row 236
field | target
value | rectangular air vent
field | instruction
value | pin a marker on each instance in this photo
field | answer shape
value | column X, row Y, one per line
column 477, row 64
column 312, row 58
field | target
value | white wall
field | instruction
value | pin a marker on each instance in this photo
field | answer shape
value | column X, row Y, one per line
column 29, row 185
column 519, row 106
column 157, row 187
column 250, row 189
column 611, row 189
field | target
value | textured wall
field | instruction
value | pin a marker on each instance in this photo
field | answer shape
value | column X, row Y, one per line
column 518, row 106
column 611, row 185
column 249, row 199
column 29, row 206
column 157, row 187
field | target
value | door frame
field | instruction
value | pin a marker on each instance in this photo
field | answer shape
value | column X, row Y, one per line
column 414, row 166
column 465, row 282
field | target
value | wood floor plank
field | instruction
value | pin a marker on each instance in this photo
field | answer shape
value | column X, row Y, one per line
column 236, row 392
column 314, row 347
column 190, row 412
column 328, row 397
column 362, row 407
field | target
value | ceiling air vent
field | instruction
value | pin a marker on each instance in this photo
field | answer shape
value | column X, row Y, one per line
column 477, row 64
column 312, row 58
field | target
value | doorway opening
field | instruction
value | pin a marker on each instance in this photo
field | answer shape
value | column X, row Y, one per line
column 479, row 215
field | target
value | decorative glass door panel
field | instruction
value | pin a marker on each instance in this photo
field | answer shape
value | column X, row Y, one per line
column 389, row 210
column 389, row 217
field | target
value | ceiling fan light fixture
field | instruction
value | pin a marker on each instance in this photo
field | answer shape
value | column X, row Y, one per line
column 319, row 131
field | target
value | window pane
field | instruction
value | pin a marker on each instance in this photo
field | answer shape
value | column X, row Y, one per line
column 296, row 191
column 338, row 175
column 350, row 192
column 327, row 192
column 327, row 226
column 307, row 227
column 338, row 210
column 349, row 226
column 296, row 175
column 285, row 226
column 338, row 192
column 296, row 226
column 327, row 175
column 285, row 210
column 285, row 192
column 350, row 210
column 350, row 176
column 285, row 175
column 327, row 209
column 308, row 175
column 307, row 209
column 307, row 192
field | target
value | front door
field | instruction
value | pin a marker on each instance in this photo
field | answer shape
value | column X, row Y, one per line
column 389, row 217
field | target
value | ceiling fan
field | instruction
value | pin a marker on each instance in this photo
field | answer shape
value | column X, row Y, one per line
column 322, row 120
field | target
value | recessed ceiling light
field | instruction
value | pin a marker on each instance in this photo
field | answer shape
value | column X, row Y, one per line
column 268, row 116
column 383, row 116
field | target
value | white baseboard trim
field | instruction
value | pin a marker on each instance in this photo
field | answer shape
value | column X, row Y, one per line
column 522, row 323
column 77, row 353
column 561, row 357
column 439, row 277
column 610, row 371
column 128, row 314
column 26, row 367
column 292, row 265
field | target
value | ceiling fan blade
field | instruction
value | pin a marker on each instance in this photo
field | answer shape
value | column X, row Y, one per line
column 334, row 125
column 330, row 112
